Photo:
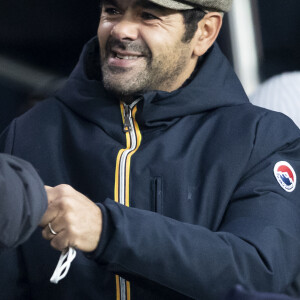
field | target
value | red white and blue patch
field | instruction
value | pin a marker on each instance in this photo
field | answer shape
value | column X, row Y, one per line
column 285, row 175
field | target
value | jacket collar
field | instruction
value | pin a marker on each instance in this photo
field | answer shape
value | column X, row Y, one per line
column 214, row 85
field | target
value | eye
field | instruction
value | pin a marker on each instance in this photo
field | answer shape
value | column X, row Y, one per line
column 111, row 11
column 147, row 16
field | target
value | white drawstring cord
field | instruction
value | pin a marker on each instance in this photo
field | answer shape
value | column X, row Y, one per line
column 63, row 265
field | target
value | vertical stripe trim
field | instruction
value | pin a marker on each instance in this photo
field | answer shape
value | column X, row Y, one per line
column 121, row 190
column 128, row 289
column 118, row 287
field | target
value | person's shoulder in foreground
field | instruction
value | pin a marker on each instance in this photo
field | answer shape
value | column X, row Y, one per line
column 23, row 201
column 175, row 186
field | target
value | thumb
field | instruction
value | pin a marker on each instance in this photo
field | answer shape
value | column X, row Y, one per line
column 50, row 191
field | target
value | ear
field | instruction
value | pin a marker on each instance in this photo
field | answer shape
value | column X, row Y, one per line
column 207, row 32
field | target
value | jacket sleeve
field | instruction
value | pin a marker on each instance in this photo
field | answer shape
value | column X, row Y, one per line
column 23, row 200
column 257, row 244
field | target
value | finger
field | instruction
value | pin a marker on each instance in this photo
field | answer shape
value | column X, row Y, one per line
column 58, row 192
column 47, row 233
column 55, row 196
column 57, row 224
column 50, row 214
column 51, row 194
column 60, row 241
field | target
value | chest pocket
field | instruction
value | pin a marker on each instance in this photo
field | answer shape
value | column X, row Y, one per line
column 157, row 194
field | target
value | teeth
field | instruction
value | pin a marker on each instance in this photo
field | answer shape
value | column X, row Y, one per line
column 126, row 57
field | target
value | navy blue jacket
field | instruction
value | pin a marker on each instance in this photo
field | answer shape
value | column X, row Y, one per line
column 206, row 210
column 239, row 293
column 23, row 200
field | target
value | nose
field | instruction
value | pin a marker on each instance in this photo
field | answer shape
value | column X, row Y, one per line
column 125, row 29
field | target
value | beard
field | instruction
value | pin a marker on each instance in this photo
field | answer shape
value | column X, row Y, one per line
column 151, row 73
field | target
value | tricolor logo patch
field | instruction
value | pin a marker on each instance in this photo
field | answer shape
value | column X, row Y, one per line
column 285, row 175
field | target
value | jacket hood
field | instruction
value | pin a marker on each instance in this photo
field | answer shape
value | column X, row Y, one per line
column 214, row 85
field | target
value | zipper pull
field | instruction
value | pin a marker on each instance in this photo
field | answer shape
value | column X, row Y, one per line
column 127, row 114
column 127, row 117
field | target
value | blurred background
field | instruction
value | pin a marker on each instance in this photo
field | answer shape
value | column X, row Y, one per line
column 40, row 42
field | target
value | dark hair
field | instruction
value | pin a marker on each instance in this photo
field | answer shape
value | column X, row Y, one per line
column 191, row 18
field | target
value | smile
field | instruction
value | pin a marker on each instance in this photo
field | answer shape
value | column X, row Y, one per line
column 129, row 57
column 124, row 59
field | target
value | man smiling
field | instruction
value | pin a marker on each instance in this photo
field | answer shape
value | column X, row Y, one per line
column 160, row 172
column 149, row 55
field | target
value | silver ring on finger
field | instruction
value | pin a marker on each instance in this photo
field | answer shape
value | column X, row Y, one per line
column 51, row 229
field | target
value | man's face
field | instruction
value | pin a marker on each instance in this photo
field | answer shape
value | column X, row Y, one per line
column 141, row 47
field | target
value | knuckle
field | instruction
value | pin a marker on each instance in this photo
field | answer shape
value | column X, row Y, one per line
column 64, row 202
column 73, row 230
column 64, row 188
column 69, row 220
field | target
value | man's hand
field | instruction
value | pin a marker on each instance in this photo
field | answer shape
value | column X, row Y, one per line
column 76, row 219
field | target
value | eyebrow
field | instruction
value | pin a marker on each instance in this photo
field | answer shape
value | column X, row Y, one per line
column 112, row 2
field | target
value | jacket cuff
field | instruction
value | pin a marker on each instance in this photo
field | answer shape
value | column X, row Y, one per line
column 105, row 234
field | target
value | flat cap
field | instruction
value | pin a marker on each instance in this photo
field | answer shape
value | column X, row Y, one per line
column 212, row 5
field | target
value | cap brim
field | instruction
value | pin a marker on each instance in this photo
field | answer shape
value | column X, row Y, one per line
column 172, row 4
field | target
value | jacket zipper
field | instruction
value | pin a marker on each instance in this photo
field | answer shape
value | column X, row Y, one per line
column 133, row 140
